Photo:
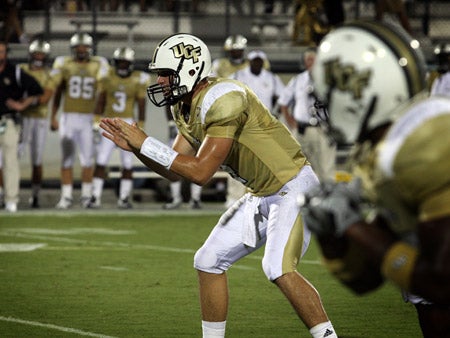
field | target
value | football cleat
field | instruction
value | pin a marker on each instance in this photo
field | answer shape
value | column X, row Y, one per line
column 64, row 203
column 173, row 205
column 195, row 204
column 94, row 203
column 34, row 202
column 124, row 203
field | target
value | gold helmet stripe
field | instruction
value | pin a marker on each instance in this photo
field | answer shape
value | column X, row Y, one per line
column 400, row 44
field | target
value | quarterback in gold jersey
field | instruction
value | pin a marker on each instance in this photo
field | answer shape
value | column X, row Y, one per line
column 120, row 91
column 35, row 118
column 77, row 79
column 392, row 221
column 222, row 124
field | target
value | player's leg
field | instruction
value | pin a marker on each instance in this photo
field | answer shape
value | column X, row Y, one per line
column 287, row 241
column 126, row 181
column 38, row 138
column 196, row 192
column 85, row 141
column 66, row 132
column 175, row 192
column 222, row 248
column 104, row 151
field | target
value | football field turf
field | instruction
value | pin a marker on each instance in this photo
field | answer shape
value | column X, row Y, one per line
column 131, row 275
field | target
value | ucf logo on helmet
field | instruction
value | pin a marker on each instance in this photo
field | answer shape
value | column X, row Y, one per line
column 186, row 51
column 346, row 77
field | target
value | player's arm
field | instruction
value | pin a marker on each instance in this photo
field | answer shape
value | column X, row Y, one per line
column 45, row 98
column 181, row 160
column 423, row 271
column 54, row 124
column 141, row 112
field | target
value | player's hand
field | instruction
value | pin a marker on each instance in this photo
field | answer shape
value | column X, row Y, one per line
column 126, row 136
column 330, row 208
column 54, row 124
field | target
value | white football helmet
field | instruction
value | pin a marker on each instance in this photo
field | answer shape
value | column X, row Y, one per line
column 123, row 61
column 363, row 71
column 81, row 39
column 183, row 57
column 235, row 42
column 38, row 52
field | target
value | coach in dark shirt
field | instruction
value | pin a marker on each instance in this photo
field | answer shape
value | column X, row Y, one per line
column 18, row 90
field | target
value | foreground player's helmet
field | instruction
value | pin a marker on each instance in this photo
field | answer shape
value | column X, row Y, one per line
column 81, row 39
column 363, row 71
column 123, row 61
column 186, row 60
column 442, row 53
column 38, row 51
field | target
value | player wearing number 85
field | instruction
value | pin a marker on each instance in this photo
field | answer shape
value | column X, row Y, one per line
column 77, row 77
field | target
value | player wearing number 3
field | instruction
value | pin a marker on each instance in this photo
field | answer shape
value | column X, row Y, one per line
column 77, row 78
column 120, row 91
column 222, row 124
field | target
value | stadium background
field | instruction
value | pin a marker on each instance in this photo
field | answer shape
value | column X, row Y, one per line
column 213, row 21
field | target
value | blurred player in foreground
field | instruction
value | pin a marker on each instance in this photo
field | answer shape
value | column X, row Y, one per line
column 392, row 221
column 119, row 92
column 222, row 124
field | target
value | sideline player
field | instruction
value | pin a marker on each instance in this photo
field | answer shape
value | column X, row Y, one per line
column 35, row 118
column 392, row 222
column 120, row 91
column 77, row 78
column 222, row 124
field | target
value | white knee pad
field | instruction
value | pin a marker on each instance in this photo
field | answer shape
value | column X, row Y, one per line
column 206, row 260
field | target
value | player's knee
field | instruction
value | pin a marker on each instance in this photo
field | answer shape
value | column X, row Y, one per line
column 272, row 271
column 206, row 260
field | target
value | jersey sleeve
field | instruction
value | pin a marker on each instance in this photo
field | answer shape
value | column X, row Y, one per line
column 223, row 107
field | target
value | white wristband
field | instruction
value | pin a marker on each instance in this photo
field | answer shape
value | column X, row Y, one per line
column 158, row 152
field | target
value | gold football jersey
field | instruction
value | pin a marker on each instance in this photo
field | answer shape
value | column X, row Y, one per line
column 122, row 93
column 43, row 77
column 408, row 172
column 264, row 155
column 81, row 81
column 224, row 67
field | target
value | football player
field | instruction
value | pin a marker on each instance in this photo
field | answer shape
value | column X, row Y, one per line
column 392, row 221
column 35, row 118
column 77, row 77
column 222, row 124
column 119, row 93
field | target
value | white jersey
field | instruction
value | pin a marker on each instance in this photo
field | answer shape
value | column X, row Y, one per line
column 441, row 85
column 297, row 93
column 266, row 85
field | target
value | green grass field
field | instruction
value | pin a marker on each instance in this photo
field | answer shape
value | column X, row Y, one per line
column 126, row 275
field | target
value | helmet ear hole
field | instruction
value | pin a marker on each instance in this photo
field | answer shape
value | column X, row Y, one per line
column 192, row 72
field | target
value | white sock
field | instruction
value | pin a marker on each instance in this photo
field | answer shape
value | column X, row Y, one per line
column 323, row 330
column 125, row 187
column 66, row 191
column 175, row 190
column 213, row 329
column 97, row 187
column 196, row 191
column 86, row 189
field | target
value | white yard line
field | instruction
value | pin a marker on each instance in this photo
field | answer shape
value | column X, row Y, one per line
column 53, row 327
column 120, row 245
